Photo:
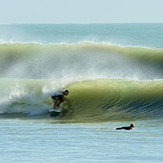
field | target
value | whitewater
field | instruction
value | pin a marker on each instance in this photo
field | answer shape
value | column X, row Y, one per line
column 114, row 73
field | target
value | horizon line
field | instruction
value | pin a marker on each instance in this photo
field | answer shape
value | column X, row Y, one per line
column 83, row 23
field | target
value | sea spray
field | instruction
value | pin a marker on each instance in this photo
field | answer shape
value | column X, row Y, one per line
column 84, row 60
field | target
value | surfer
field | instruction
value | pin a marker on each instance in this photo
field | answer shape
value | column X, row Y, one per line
column 131, row 127
column 60, row 97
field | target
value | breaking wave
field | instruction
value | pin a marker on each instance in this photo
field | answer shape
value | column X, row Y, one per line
column 106, row 82
column 94, row 100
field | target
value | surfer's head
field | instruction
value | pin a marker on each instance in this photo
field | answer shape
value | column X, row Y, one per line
column 132, row 125
column 66, row 92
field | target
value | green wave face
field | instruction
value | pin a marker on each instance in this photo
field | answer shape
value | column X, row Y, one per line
column 106, row 100
column 94, row 100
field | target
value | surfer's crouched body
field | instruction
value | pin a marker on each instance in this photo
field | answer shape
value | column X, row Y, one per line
column 126, row 128
column 60, row 98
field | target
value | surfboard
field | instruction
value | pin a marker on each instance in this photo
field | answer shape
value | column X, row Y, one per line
column 55, row 112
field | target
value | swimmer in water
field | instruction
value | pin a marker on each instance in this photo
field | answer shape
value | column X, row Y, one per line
column 131, row 127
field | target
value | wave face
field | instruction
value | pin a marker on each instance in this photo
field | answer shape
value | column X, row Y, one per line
column 83, row 60
column 91, row 101
column 106, row 100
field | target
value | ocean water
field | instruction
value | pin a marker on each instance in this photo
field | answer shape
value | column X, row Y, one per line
column 114, row 73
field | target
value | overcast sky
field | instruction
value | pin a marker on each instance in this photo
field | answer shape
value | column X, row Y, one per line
column 81, row 11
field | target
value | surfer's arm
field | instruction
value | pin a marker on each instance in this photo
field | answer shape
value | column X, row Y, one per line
column 66, row 99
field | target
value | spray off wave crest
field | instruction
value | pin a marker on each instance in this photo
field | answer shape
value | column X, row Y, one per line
column 83, row 60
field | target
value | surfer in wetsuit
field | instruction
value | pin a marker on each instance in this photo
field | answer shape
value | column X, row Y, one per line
column 126, row 128
column 60, row 97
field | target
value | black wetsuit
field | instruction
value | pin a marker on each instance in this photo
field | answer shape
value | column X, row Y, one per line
column 125, row 128
column 59, row 96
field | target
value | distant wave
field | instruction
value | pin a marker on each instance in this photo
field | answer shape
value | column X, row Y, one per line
column 83, row 60
column 3, row 42
column 138, row 34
